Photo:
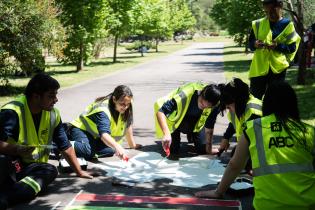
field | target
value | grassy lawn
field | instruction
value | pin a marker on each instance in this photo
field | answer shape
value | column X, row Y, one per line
column 236, row 64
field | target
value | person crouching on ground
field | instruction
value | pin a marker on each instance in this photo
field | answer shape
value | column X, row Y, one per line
column 100, row 130
column 28, row 125
column 282, row 150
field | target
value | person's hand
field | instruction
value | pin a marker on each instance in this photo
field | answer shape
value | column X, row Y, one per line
column 208, row 194
column 120, row 152
column 85, row 175
column 24, row 151
column 211, row 151
column 224, row 145
column 137, row 146
column 259, row 44
column 272, row 46
column 166, row 143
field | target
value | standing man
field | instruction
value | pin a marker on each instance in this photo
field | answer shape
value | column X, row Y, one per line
column 28, row 127
column 188, row 109
column 275, row 42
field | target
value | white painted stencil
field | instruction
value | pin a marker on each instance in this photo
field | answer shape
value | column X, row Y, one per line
column 191, row 172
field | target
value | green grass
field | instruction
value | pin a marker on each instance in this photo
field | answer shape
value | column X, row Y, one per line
column 236, row 64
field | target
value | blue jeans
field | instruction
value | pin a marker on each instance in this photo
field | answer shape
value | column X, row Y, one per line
column 198, row 138
column 88, row 147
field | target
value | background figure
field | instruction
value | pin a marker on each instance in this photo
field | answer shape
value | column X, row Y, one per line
column 99, row 131
column 188, row 109
column 242, row 107
column 275, row 42
column 282, row 150
column 27, row 125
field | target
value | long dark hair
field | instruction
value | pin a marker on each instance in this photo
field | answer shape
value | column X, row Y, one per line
column 120, row 92
column 236, row 91
column 280, row 99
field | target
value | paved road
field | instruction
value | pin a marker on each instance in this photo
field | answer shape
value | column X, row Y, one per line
column 149, row 81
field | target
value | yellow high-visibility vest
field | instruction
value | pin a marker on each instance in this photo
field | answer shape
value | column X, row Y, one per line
column 265, row 59
column 284, row 175
column 182, row 96
column 117, row 129
column 253, row 107
column 28, row 134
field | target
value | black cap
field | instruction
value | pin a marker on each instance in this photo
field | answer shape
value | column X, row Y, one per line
column 272, row 1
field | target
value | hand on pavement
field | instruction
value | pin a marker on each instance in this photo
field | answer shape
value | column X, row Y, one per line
column 211, row 151
column 85, row 175
column 224, row 145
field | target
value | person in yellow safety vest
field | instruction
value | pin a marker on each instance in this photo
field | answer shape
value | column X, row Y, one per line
column 100, row 130
column 28, row 127
column 242, row 107
column 275, row 43
column 282, row 149
column 187, row 109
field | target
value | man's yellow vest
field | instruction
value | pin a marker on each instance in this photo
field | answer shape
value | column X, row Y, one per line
column 253, row 107
column 263, row 58
column 27, row 133
column 117, row 129
column 284, row 175
column 182, row 96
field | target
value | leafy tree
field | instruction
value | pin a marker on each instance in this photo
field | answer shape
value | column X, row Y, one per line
column 236, row 16
column 121, row 20
column 85, row 21
column 25, row 30
column 153, row 20
column 301, row 11
column 181, row 17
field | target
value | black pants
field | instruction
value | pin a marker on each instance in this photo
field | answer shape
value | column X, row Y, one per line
column 258, row 85
column 13, row 189
column 199, row 140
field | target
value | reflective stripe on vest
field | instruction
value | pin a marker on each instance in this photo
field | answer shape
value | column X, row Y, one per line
column 265, row 59
column 42, row 153
column 118, row 130
column 183, row 98
column 32, row 183
column 264, row 168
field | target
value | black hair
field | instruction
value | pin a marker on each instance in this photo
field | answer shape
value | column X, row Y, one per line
column 275, row 2
column 211, row 93
column 280, row 99
column 40, row 84
column 119, row 92
column 236, row 91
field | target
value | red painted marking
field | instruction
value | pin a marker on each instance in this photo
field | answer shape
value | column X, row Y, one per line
column 152, row 199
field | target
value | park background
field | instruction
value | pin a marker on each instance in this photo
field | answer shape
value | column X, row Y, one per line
column 76, row 41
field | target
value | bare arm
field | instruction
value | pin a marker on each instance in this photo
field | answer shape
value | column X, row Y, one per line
column 167, row 139
column 110, row 141
column 130, row 139
column 15, row 149
column 209, row 137
column 71, row 158
column 236, row 164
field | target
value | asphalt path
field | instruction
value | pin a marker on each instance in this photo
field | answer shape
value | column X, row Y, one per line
column 149, row 81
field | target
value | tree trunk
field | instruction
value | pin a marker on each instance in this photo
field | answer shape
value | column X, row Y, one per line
column 156, row 44
column 246, row 43
column 141, row 47
column 302, row 58
column 115, row 49
column 80, row 59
